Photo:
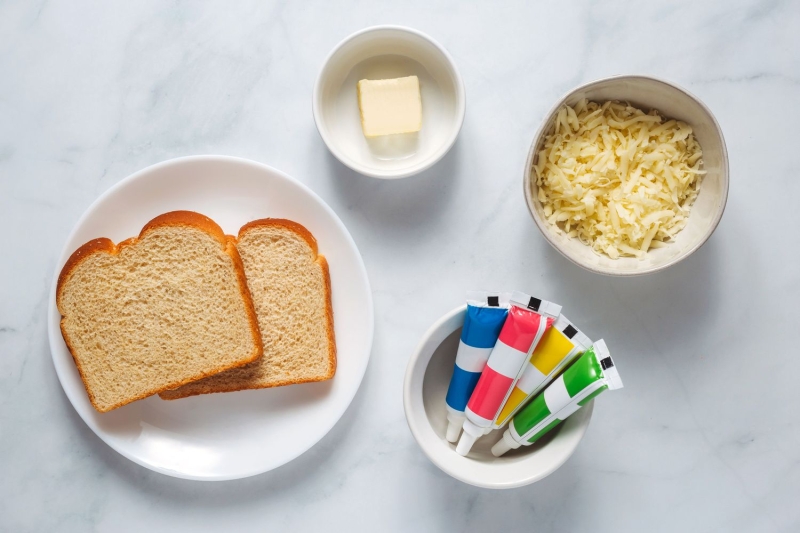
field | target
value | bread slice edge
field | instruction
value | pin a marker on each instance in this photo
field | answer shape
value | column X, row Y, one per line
column 172, row 218
column 323, row 262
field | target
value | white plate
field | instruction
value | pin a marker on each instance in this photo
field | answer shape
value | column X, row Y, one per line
column 237, row 434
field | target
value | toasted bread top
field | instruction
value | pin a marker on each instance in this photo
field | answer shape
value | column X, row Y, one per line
column 267, row 282
column 199, row 367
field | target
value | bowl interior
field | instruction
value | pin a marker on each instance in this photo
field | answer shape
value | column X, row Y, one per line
column 384, row 53
column 672, row 102
column 426, row 387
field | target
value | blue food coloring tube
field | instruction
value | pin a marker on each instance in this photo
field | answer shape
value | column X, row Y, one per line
column 486, row 314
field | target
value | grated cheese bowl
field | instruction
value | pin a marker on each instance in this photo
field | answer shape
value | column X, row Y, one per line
column 673, row 102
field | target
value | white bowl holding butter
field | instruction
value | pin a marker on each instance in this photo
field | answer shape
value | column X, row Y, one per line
column 672, row 102
column 388, row 53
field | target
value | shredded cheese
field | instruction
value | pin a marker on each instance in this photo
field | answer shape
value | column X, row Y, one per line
column 620, row 180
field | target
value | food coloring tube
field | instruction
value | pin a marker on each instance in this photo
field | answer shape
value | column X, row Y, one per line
column 560, row 346
column 486, row 313
column 587, row 377
column 528, row 320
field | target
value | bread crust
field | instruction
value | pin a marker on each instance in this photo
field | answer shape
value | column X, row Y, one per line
column 323, row 263
column 173, row 218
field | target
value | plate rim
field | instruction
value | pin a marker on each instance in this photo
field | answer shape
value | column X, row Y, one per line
column 54, row 337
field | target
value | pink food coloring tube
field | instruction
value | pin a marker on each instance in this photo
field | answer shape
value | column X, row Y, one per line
column 528, row 320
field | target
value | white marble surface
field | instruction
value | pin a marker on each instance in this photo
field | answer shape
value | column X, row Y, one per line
column 705, row 436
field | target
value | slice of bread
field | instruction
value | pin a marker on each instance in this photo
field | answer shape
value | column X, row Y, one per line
column 155, row 312
column 291, row 290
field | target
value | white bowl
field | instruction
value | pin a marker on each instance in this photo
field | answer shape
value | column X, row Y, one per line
column 427, row 378
column 382, row 52
column 674, row 102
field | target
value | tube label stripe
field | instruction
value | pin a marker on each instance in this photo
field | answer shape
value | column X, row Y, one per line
column 556, row 396
column 531, row 415
column 461, row 386
column 489, row 393
column 506, row 360
column 472, row 359
column 531, row 378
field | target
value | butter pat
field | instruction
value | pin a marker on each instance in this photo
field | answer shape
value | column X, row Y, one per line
column 390, row 106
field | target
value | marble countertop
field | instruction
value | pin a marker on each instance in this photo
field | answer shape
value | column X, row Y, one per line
column 704, row 437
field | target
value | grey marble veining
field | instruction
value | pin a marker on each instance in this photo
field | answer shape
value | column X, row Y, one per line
column 705, row 436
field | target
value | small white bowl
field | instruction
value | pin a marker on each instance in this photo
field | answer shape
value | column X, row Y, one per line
column 673, row 102
column 382, row 52
column 427, row 378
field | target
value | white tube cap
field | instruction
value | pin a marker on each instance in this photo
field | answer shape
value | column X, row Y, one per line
column 468, row 438
column 454, row 423
column 505, row 444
